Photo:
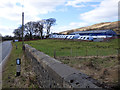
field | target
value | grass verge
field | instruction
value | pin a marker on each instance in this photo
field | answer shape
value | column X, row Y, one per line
column 26, row 79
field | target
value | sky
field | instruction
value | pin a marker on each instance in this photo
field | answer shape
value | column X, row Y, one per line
column 69, row 14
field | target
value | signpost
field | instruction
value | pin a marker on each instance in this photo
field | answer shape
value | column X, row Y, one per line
column 18, row 64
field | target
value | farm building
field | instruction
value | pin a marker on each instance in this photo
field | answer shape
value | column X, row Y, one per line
column 87, row 35
column 96, row 33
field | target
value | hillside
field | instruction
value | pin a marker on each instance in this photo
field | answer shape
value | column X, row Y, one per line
column 99, row 26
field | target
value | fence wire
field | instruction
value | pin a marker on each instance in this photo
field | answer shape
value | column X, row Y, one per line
column 86, row 51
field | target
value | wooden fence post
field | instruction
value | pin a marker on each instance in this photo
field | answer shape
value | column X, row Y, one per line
column 16, row 46
column 97, row 50
column 71, row 51
column 54, row 53
column 86, row 51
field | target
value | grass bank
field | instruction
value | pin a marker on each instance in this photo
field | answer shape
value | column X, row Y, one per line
column 9, row 72
column 104, row 69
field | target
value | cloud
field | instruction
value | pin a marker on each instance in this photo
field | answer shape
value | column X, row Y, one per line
column 79, row 3
column 72, row 25
column 6, row 30
column 107, row 11
column 78, row 24
column 11, row 9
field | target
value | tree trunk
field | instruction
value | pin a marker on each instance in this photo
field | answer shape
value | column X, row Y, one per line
column 41, row 35
column 48, row 30
column 30, row 36
column 19, row 37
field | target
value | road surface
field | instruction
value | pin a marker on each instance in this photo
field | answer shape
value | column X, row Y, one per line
column 5, row 48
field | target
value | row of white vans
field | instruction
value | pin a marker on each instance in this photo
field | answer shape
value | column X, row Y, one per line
column 82, row 37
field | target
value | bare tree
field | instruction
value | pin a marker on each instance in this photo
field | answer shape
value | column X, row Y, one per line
column 49, row 22
column 29, row 28
column 39, row 25
column 18, row 32
column 35, row 28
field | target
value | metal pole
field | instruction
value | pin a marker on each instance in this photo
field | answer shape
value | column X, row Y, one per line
column 22, row 28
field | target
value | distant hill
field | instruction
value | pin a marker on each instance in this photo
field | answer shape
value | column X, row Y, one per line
column 99, row 26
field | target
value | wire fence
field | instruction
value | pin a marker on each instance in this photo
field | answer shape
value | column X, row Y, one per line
column 85, row 51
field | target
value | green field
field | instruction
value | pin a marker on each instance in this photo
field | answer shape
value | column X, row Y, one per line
column 75, row 48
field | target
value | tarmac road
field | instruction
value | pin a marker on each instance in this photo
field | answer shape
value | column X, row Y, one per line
column 5, row 49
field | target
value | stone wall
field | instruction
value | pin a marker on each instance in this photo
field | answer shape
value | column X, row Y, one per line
column 51, row 73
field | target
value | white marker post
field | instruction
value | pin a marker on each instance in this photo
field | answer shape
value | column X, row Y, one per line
column 18, row 62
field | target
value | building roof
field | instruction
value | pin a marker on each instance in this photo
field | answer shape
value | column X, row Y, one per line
column 94, row 31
